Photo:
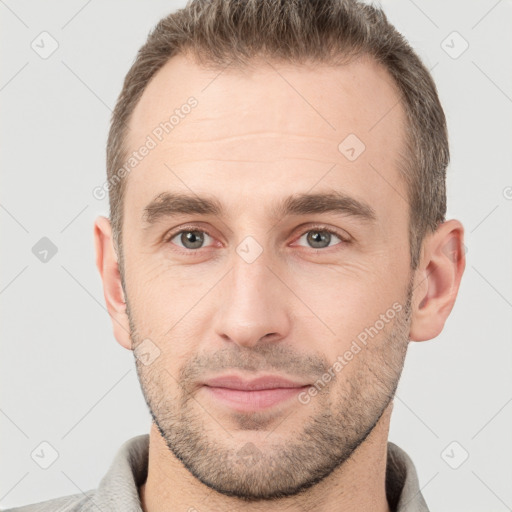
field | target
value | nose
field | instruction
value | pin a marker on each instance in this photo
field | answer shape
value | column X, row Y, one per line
column 253, row 305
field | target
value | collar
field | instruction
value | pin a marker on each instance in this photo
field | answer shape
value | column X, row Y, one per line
column 118, row 490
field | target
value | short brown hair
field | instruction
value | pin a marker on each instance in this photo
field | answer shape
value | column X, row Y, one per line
column 220, row 32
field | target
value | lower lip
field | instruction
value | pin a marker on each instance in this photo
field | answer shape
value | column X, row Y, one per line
column 253, row 400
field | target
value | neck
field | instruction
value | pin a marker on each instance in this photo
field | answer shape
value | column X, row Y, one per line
column 358, row 484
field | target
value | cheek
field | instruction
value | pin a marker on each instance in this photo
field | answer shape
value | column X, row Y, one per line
column 342, row 304
column 163, row 294
column 165, row 306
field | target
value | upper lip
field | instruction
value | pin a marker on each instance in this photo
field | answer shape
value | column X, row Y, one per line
column 263, row 382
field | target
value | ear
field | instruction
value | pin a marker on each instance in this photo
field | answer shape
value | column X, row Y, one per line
column 437, row 280
column 107, row 263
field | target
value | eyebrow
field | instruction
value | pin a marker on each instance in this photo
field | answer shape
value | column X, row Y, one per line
column 171, row 204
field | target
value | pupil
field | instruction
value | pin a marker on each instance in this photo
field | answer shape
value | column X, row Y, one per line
column 192, row 237
column 319, row 237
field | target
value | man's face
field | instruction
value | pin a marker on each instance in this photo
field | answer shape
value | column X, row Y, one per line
column 255, row 288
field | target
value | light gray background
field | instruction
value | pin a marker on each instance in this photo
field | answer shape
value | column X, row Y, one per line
column 64, row 378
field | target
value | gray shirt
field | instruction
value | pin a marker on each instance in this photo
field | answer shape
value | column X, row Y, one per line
column 118, row 490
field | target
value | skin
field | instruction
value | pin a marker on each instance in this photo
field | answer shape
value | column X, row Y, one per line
column 251, row 141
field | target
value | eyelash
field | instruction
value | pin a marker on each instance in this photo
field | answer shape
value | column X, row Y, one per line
column 320, row 228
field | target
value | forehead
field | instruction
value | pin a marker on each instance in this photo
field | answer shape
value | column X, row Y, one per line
column 265, row 129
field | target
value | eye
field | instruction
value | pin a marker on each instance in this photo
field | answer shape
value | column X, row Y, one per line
column 321, row 237
column 189, row 238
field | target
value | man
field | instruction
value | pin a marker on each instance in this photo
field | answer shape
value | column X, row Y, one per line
column 277, row 236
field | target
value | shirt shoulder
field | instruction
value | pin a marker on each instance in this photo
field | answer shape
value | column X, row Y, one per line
column 402, row 485
column 82, row 502
column 117, row 490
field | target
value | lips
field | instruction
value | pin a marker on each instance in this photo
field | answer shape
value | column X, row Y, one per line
column 264, row 382
column 253, row 395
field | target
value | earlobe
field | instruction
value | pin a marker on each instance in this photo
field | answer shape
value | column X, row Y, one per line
column 107, row 264
column 437, row 280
